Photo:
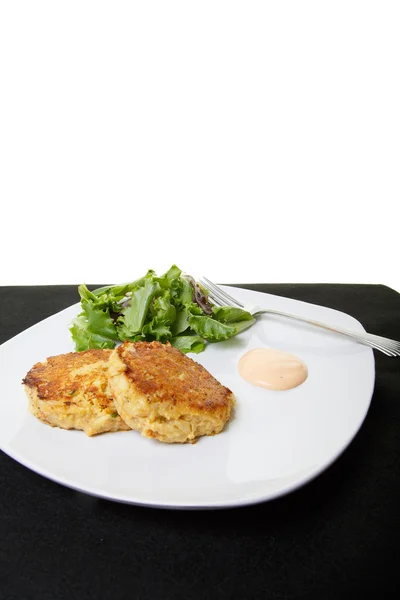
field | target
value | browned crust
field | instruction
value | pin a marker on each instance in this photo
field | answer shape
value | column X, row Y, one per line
column 71, row 391
column 57, row 377
column 163, row 373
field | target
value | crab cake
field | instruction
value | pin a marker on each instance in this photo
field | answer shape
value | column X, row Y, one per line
column 70, row 391
column 166, row 395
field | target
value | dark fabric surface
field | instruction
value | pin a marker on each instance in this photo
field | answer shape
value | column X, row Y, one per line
column 333, row 539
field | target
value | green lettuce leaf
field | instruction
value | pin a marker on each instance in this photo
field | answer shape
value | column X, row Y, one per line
column 85, row 339
column 182, row 292
column 155, row 331
column 105, row 301
column 210, row 329
column 188, row 343
column 93, row 328
column 194, row 309
column 237, row 317
column 166, row 280
column 163, row 310
column 231, row 314
column 181, row 322
column 153, row 308
column 164, row 314
column 99, row 321
column 133, row 316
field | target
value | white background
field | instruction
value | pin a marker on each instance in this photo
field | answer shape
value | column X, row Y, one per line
column 247, row 141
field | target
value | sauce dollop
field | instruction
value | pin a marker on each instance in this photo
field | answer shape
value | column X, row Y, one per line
column 272, row 369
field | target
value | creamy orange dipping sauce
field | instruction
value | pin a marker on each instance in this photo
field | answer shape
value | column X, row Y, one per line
column 272, row 369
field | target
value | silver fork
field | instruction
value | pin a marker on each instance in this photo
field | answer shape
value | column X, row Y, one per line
column 221, row 298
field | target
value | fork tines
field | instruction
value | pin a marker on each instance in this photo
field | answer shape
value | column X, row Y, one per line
column 217, row 295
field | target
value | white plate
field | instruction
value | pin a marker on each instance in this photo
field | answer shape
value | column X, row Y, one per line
column 276, row 441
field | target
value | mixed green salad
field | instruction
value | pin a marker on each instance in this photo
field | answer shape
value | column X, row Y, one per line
column 171, row 308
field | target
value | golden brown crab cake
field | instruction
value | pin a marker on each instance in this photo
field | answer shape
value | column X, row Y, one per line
column 166, row 395
column 71, row 391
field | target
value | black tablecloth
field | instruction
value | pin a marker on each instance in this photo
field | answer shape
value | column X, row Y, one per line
column 331, row 539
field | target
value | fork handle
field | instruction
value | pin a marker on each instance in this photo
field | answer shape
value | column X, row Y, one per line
column 385, row 345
